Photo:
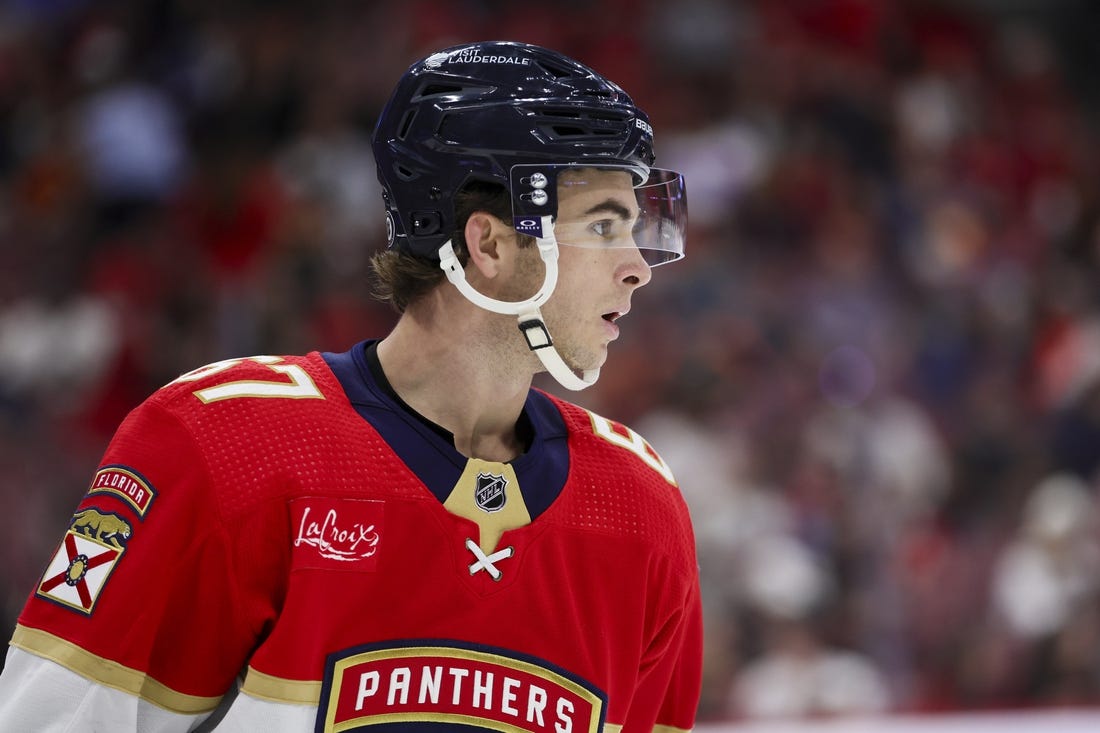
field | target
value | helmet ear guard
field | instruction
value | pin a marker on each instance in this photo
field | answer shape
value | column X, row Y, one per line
column 548, row 251
column 530, row 324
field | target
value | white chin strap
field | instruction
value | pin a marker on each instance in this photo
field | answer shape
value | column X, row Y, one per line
column 530, row 319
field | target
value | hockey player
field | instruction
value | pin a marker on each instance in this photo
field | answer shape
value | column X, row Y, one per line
column 406, row 536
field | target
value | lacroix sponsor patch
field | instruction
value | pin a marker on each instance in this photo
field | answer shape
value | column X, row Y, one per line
column 126, row 484
column 334, row 533
column 428, row 683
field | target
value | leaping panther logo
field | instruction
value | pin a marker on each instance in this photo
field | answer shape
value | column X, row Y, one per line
column 109, row 528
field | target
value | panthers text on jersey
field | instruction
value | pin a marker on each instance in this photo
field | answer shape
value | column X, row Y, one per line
column 286, row 525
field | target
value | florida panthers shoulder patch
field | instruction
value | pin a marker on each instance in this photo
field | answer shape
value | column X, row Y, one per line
column 96, row 538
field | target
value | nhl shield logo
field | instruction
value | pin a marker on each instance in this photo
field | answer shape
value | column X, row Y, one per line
column 489, row 493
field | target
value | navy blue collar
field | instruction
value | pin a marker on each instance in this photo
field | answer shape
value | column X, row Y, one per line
column 428, row 449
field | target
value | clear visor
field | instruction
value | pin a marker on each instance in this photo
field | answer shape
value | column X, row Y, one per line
column 605, row 206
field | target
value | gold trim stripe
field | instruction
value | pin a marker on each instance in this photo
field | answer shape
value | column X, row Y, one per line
column 108, row 673
column 279, row 689
column 455, row 718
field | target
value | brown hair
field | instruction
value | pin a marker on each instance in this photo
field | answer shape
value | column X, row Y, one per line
column 399, row 278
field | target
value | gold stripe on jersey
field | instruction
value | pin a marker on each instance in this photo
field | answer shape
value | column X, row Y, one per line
column 493, row 524
column 107, row 673
column 279, row 689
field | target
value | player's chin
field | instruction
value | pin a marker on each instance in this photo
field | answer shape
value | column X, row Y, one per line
column 591, row 358
column 583, row 351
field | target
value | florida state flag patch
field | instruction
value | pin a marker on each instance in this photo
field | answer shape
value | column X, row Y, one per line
column 85, row 560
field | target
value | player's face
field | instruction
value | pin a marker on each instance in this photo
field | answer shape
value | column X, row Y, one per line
column 599, row 265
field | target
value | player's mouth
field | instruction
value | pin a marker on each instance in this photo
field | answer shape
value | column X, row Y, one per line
column 609, row 318
column 612, row 316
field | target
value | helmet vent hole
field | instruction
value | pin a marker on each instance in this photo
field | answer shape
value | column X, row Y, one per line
column 562, row 113
column 435, row 89
column 404, row 173
column 568, row 131
column 406, row 123
column 558, row 72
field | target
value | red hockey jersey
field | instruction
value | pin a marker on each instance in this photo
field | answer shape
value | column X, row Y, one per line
column 287, row 522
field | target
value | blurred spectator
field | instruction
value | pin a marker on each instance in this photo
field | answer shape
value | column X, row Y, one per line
column 127, row 129
column 800, row 678
column 1047, row 571
column 50, row 349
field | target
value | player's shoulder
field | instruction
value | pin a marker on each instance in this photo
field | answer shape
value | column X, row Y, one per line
column 616, row 445
column 249, row 401
column 249, row 423
column 625, row 483
column 256, row 381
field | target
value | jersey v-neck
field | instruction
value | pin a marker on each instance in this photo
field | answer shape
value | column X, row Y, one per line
column 428, row 449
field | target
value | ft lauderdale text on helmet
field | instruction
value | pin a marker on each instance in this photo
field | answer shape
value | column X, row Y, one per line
column 529, row 120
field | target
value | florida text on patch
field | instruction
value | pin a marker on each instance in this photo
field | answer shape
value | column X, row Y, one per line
column 126, row 484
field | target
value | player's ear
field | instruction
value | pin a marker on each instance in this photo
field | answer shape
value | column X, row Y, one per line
column 489, row 242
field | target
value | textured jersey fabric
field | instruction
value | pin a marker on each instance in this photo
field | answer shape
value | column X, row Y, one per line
column 283, row 525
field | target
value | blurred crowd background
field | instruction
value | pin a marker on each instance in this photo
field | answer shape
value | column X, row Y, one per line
column 876, row 374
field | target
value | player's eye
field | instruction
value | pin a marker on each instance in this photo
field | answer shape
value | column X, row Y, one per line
column 603, row 228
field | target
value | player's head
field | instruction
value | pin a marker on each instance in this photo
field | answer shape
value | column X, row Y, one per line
column 492, row 126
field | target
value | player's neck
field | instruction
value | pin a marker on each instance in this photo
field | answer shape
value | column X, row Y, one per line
column 454, row 375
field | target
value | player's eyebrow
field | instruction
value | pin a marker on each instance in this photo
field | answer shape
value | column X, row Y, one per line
column 611, row 206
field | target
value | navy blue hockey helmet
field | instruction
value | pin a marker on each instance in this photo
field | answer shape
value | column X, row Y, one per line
column 472, row 112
